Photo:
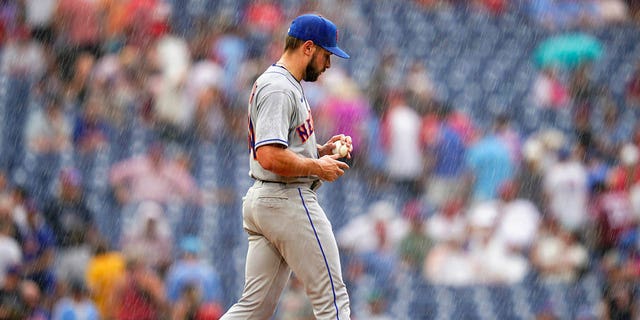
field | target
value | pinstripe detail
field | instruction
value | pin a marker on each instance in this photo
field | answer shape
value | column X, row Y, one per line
column 333, row 289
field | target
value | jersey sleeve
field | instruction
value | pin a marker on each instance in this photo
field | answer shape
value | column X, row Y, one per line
column 273, row 119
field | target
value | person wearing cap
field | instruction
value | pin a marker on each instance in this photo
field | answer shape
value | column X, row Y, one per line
column 287, row 229
column 192, row 280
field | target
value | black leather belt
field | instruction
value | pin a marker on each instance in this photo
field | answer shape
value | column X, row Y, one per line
column 313, row 185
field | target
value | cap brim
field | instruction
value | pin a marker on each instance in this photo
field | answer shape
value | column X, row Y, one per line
column 338, row 52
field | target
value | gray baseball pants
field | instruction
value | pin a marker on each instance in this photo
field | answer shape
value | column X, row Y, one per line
column 289, row 231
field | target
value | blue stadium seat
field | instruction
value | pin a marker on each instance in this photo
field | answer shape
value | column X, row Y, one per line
column 464, row 303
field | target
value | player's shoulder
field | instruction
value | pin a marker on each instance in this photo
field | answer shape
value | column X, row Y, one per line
column 276, row 79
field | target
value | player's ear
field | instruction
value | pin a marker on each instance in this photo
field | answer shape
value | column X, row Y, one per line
column 308, row 47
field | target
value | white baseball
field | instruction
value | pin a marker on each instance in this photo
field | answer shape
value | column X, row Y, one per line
column 340, row 148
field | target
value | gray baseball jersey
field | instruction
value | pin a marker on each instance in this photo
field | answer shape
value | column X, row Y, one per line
column 288, row 230
column 279, row 113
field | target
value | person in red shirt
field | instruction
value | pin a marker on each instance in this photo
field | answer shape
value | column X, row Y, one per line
column 627, row 173
column 633, row 89
column 140, row 294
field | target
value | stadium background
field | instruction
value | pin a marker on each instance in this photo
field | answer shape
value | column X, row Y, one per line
column 78, row 101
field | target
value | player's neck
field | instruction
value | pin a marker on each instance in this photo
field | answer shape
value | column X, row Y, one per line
column 288, row 62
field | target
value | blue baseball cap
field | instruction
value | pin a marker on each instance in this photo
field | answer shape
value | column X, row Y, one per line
column 318, row 29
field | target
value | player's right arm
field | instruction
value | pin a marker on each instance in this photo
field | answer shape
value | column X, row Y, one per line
column 281, row 161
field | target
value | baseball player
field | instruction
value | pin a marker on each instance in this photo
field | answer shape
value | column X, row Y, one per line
column 287, row 229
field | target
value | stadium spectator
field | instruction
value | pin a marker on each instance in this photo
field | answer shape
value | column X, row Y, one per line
column 140, row 293
column 612, row 11
column 566, row 190
column 10, row 249
column 550, row 94
column 152, row 177
column 371, row 243
column 449, row 222
column 172, row 114
column 229, row 49
column 530, row 175
column 619, row 300
column 9, row 17
column 212, row 115
column 91, row 131
column 7, row 212
column 191, row 306
column 557, row 254
column 38, row 249
column 76, row 85
column 564, row 14
column 384, row 81
column 489, row 164
column 20, row 202
column 632, row 89
column 12, row 304
column 105, row 268
column 613, row 215
column 76, row 24
column 150, row 236
column 508, row 133
column 294, row 304
column 583, row 91
column 449, row 263
column 115, row 23
column 610, row 132
column 415, row 245
column 48, row 130
column 495, row 7
column 39, row 18
column 22, row 56
column 75, row 304
column 421, row 91
column 36, row 309
column 377, row 307
column 445, row 157
column 73, row 225
column 359, row 234
column 626, row 174
column 146, row 21
column 344, row 110
column 262, row 19
column 191, row 269
column 518, row 220
column 500, row 233
column 400, row 135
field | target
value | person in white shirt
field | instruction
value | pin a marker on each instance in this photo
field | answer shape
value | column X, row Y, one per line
column 566, row 190
column 401, row 141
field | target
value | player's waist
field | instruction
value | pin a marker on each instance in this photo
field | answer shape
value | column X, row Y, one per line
column 313, row 185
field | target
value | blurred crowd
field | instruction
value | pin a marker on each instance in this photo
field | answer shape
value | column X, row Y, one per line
column 461, row 202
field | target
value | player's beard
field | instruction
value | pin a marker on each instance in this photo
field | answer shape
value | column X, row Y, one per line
column 310, row 73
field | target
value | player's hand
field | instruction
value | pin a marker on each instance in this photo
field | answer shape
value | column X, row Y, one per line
column 331, row 168
column 327, row 148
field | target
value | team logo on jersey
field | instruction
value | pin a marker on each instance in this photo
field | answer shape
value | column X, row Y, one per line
column 305, row 130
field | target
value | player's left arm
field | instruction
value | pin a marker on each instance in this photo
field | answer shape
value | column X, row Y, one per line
column 327, row 148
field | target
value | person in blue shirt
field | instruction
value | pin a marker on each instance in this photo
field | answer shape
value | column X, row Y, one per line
column 190, row 269
column 76, row 305
column 490, row 164
column 447, row 161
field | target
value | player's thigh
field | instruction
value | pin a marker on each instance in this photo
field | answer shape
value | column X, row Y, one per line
column 310, row 249
column 266, row 275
